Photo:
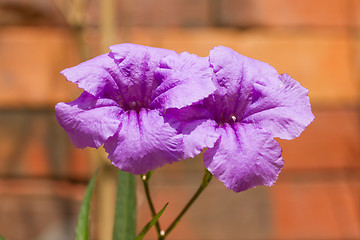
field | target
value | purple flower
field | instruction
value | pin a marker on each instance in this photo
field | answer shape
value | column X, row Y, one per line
column 126, row 93
column 238, row 122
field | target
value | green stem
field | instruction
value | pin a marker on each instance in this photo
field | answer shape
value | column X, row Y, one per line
column 204, row 183
column 145, row 180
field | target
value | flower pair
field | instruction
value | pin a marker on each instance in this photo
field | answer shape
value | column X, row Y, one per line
column 151, row 106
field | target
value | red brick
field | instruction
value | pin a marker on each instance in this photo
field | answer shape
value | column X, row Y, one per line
column 310, row 53
column 332, row 141
column 316, row 210
column 28, row 12
column 356, row 57
column 301, row 206
column 321, row 61
column 30, row 62
column 355, row 9
column 34, row 209
column 79, row 166
column 214, row 213
column 289, row 13
column 35, row 145
column 32, row 187
column 36, row 162
column 160, row 13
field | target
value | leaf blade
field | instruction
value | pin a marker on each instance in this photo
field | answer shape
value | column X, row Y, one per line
column 82, row 227
column 151, row 223
column 125, row 207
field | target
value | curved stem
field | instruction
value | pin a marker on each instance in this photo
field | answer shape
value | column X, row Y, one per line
column 145, row 180
column 204, row 183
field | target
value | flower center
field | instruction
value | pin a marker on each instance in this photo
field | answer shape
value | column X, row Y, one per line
column 225, row 118
column 133, row 105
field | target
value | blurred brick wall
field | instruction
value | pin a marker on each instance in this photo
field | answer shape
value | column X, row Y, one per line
column 317, row 196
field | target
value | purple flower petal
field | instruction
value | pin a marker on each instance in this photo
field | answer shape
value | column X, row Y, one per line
column 251, row 91
column 196, row 126
column 235, row 75
column 95, row 76
column 136, row 67
column 186, row 78
column 281, row 106
column 89, row 121
column 125, row 75
column 244, row 157
column 144, row 142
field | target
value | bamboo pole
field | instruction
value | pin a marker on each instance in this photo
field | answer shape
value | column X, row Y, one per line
column 106, row 186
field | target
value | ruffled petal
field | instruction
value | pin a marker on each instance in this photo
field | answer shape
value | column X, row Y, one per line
column 244, row 157
column 95, row 76
column 144, row 142
column 89, row 121
column 196, row 126
column 186, row 78
column 234, row 75
column 281, row 106
column 136, row 66
column 125, row 75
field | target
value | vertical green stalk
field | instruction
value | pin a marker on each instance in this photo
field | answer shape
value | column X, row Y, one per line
column 145, row 180
column 204, row 183
column 83, row 224
column 151, row 223
column 163, row 234
column 125, row 207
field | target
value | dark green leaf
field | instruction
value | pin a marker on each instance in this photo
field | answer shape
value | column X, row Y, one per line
column 151, row 223
column 125, row 208
column 82, row 228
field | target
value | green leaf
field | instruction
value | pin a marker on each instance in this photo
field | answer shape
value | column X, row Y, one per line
column 2, row 238
column 82, row 228
column 125, row 208
column 151, row 223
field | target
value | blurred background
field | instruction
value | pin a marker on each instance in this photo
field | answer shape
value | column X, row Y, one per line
column 43, row 177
